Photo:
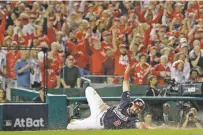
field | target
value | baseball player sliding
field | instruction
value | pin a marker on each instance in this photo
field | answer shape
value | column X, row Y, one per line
column 122, row 116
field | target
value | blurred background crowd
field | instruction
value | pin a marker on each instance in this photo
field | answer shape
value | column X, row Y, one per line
column 97, row 38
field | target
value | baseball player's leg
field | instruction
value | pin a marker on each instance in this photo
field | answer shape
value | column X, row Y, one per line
column 88, row 123
column 95, row 102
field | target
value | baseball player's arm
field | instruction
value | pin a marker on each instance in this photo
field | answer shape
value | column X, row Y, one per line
column 126, row 86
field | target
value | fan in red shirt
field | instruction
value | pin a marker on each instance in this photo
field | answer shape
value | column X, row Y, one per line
column 50, row 30
column 80, row 55
column 121, row 55
column 2, row 26
column 11, row 57
column 56, row 60
column 122, row 59
column 80, row 34
column 40, row 36
column 51, row 75
column 107, row 39
column 162, row 71
column 97, row 56
column 141, row 70
column 177, row 11
column 123, row 24
column 168, row 52
column 147, row 15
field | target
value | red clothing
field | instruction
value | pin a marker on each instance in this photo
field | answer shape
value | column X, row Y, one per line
column 157, row 18
column 2, row 29
column 51, row 34
column 122, row 28
column 81, row 60
column 146, row 41
column 96, row 60
column 175, row 13
column 43, row 38
column 79, row 35
column 24, row 40
column 120, row 62
column 56, row 65
column 140, row 14
column 105, row 44
column 11, row 58
column 70, row 46
column 157, row 70
column 142, row 18
column 51, row 77
column 140, row 73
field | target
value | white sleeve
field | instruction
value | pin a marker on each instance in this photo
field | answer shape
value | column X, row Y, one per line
column 4, row 62
column 152, row 34
column 25, row 30
column 40, row 56
column 174, row 73
column 186, row 70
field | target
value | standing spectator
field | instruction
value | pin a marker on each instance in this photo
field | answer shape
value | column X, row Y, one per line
column 52, row 80
column 141, row 70
column 48, row 27
column 153, row 58
column 39, row 36
column 36, row 77
column 107, row 38
column 81, row 57
column 12, row 56
column 70, row 75
column 28, row 29
column 184, row 58
column 122, row 58
column 3, row 67
column 56, row 62
column 23, row 70
column 177, row 72
column 96, row 54
column 196, row 58
column 162, row 70
column 2, row 26
column 108, row 64
column 195, row 43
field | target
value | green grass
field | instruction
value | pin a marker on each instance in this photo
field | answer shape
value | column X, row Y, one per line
column 108, row 132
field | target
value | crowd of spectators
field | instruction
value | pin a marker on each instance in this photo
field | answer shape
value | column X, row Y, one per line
column 160, row 38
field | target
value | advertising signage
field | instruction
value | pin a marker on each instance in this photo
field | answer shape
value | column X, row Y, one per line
column 25, row 116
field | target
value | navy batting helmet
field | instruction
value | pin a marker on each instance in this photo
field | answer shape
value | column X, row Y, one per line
column 139, row 104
